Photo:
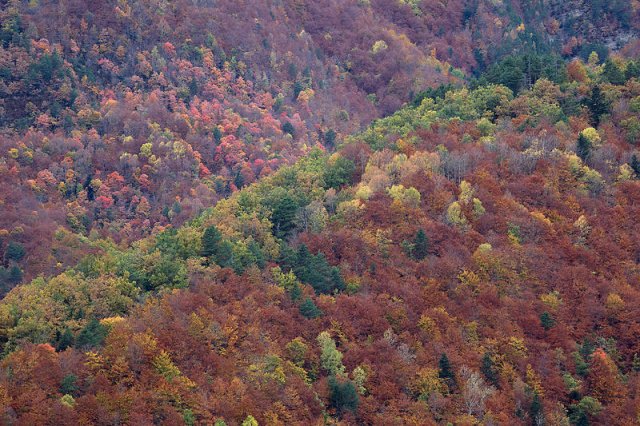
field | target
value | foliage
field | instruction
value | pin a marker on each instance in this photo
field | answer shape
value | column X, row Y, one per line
column 343, row 395
column 420, row 245
column 186, row 188
column 309, row 310
column 330, row 357
column 445, row 372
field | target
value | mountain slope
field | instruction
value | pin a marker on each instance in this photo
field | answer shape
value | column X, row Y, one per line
column 224, row 92
column 473, row 258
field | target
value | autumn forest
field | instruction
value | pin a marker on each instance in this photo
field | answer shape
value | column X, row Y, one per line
column 330, row 212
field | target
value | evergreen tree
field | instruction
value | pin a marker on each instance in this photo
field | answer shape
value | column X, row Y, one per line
column 598, row 105
column 257, row 253
column 547, row 320
column 165, row 211
column 612, row 73
column 224, row 257
column 337, row 283
column 211, row 240
column 309, row 310
column 15, row 274
column 579, row 413
column 297, row 88
column 508, row 72
column 635, row 364
column 535, row 411
column 420, row 245
column 343, row 396
column 583, row 148
column 330, row 138
column 303, row 255
column 238, row 180
column 93, row 334
column 283, row 216
column 295, row 292
column 316, row 271
column 635, row 165
column 287, row 127
column 64, row 340
column 15, row 251
column 488, row 369
column 632, row 71
column 193, row 87
column 217, row 134
column 445, row 371
column 582, row 368
column 69, row 386
column 338, row 173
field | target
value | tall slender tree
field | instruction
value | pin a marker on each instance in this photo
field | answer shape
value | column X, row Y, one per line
column 420, row 245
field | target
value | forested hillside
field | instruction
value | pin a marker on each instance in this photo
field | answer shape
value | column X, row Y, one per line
column 471, row 258
column 355, row 212
column 120, row 117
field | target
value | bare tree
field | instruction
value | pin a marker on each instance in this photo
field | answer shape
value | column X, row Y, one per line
column 475, row 391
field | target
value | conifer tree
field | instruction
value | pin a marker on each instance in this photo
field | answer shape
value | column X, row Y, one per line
column 635, row 166
column 613, row 73
column 64, row 340
column 547, row 321
column 535, row 411
column 211, row 240
column 343, row 395
column 309, row 310
column 583, row 148
column 598, row 105
column 420, row 245
column 445, row 371
column 488, row 369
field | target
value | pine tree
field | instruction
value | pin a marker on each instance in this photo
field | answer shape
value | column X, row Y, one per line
column 315, row 270
column 15, row 274
column 217, row 134
column 283, row 216
column 445, row 371
column 547, row 321
column 295, row 293
column 93, row 334
column 343, row 396
column 69, row 384
column 635, row 364
column 211, row 240
column 635, row 165
column 420, row 245
column 238, row 180
column 309, row 310
column 535, row 411
column 15, row 251
column 613, row 73
column 583, row 148
column 488, row 369
column 632, row 71
column 597, row 105
column 64, row 340
column 337, row 283
column 224, row 257
column 330, row 138
column 287, row 127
